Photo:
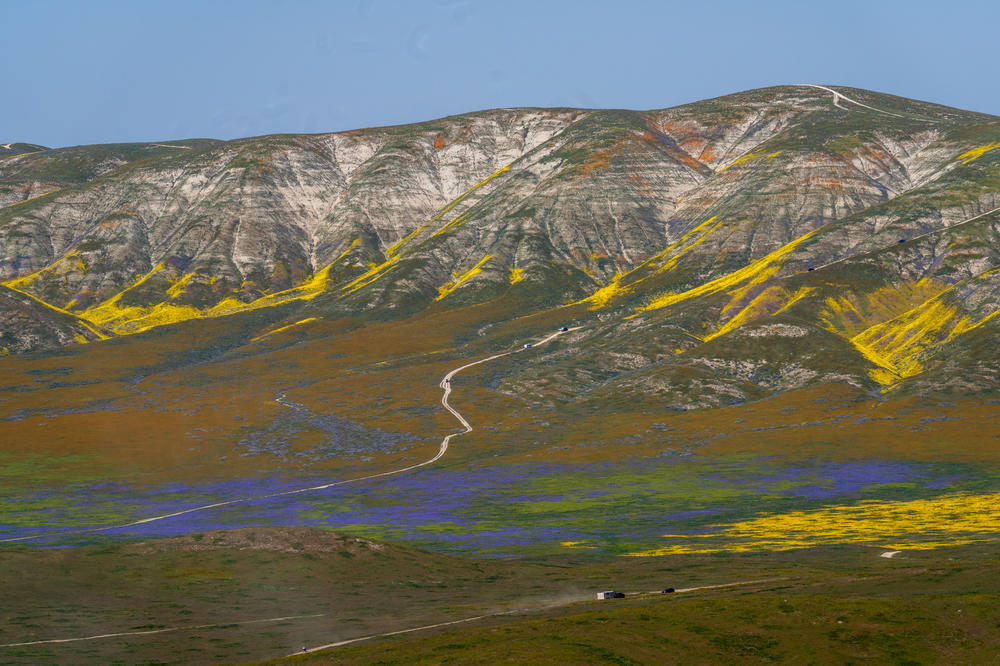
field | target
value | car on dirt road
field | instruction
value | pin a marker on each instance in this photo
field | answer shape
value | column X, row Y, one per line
column 610, row 594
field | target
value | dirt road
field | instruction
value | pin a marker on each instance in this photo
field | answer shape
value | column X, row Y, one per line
column 568, row 602
column 442, row 449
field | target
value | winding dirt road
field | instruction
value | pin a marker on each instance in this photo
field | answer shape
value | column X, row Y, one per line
column 442, row 449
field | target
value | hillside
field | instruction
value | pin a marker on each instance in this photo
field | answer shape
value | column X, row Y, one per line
column 763, row 241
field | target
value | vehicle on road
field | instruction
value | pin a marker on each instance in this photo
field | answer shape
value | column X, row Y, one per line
column 610, row 594
column 564, row 329
column 527, row 345
column 667, row 590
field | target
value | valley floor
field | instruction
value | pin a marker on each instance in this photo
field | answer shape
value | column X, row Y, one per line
column 509, row 535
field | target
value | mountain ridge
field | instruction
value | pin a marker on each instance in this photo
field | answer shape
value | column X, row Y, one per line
column 714, row 216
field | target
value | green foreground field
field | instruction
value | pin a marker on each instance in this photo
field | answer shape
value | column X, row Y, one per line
column 770, row 627
column 258, row 594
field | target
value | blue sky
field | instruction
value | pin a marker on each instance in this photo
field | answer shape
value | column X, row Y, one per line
column 107, row 71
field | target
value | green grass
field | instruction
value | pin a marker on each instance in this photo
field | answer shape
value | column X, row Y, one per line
column 926, row 610
column 845, row 145
column 225, row 578
column 815, row 629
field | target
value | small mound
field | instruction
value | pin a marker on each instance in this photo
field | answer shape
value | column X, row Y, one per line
column 273, row 539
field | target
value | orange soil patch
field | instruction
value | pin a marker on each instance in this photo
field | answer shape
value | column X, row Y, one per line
column 835, row 423
column 140, row 422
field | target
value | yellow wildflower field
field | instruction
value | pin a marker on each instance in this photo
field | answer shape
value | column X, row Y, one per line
column 919, row 524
